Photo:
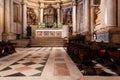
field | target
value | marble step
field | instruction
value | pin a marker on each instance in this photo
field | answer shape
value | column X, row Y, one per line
column 47, row 41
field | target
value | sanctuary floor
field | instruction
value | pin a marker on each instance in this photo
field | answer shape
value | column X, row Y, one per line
column 43, row 63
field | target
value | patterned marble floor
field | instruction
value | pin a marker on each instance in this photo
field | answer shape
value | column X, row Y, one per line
column 42, row 63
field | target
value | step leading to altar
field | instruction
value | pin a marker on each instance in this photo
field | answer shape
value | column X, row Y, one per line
column 47, row 42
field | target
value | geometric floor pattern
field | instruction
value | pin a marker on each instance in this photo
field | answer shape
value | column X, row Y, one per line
column 30, row 65
column 42, row 63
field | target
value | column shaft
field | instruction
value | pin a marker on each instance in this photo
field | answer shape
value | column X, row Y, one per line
column 119, row 13
column 103, row 14
column 11, row 16
column 5, row 34
column 7, row 16
column 87, row 15
column 111, row 12
column 92, row 20
column 41, row 15
column 41, row 12
column 24, row 18
column 74, row 18
column 58, row 13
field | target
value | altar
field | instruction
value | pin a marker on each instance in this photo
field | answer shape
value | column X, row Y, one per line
column 49, row 33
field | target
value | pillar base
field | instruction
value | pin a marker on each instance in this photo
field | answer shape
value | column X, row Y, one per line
column 4, row 36
column 12, row 36
column 74, row 33
column 8, row 36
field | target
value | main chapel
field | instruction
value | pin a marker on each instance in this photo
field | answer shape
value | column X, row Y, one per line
column 59, row 39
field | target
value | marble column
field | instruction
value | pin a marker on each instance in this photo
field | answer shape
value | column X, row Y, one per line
column 119, row 13
column 87, row 15
column 6, row 31
column 41, row 12
column 92, row 20
column 39, row 15
column 58, row 13
column 11, row 16
column 11, row 35
column 111, row 13
column 24, row 3
column 74, row 18
column 103, row 18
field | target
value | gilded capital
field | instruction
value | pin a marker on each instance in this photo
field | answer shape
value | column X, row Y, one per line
column 24, row 2
column 41, row 5
column 74, row 3
column 58, row 5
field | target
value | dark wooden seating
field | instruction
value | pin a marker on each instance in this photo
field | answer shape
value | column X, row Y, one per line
column 7, row 48
column 92, row 50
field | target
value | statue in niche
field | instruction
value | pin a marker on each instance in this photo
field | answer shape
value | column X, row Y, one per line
column 50, row 16
column 31, row 16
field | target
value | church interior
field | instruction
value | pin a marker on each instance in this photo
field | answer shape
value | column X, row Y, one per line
column 59, row 39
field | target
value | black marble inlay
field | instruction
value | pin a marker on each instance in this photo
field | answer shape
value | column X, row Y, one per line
column 40, row 68
column 5, row 69
column 21, row 59
column 36, row 57
column 43, row 63
column 15, row 63
column 16, row 74
column 38, row 74
column 28, row 63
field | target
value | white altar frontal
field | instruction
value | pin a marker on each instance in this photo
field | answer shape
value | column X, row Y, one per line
column 49, row 33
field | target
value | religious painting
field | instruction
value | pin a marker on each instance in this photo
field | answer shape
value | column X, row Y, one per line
column 58, row 34
column 67, row 16
column 52, row 34
column 40, row 33
column 31, row 16
column 46, row 33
